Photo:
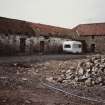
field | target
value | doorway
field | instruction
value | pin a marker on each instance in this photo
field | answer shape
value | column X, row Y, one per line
column 42, row 45
column 84, row 46
column 92, row 47
column 22, row 45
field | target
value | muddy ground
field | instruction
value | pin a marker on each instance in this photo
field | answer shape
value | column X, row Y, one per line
column 23, row 83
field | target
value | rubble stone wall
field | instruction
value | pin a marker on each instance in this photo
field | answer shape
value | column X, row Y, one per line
column 10, row 44
column 99, row 42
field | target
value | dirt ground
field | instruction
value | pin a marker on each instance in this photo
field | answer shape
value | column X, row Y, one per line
column 23, row 84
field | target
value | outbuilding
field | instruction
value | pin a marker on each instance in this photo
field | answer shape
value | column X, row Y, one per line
column 93, row 36
column 22, row 37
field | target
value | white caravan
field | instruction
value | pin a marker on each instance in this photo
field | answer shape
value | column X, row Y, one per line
column 72, row 46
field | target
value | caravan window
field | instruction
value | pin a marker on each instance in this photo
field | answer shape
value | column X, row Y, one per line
column 67, row 46
column 77, row 46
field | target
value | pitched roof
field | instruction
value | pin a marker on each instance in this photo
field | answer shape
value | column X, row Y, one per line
column 52, row 31
column 14, row 26
column 91, row 29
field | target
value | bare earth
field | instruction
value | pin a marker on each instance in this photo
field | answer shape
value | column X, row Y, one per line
column 24, row 83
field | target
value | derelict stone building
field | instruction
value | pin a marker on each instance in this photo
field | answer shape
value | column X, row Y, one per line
column 93, row 36
column 21, row 37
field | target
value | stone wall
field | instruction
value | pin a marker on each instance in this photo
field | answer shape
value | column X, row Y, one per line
column 99, row 42
column 11, row 44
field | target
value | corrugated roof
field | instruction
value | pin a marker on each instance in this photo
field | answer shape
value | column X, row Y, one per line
column 91, row 29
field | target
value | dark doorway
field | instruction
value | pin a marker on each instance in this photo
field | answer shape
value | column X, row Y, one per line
column 42, row 44
column 22, row 44
column 92, row 47
column 84, row 46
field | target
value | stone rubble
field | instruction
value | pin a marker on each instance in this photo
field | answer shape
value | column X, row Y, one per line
column 89, row 72
column 22, row 76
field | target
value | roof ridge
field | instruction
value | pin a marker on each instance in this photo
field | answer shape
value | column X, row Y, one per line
column 92, row 23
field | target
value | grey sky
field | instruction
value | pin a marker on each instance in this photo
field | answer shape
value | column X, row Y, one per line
column 64, row 13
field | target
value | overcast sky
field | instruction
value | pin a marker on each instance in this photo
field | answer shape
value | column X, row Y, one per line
column 64, row 13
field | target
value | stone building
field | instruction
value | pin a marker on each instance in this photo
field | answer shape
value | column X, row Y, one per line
column 50, row 38
column 93, row 36
column 12, row 35
column 21, row 37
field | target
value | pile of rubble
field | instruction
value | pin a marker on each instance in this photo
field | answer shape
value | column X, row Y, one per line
column 89, row 72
